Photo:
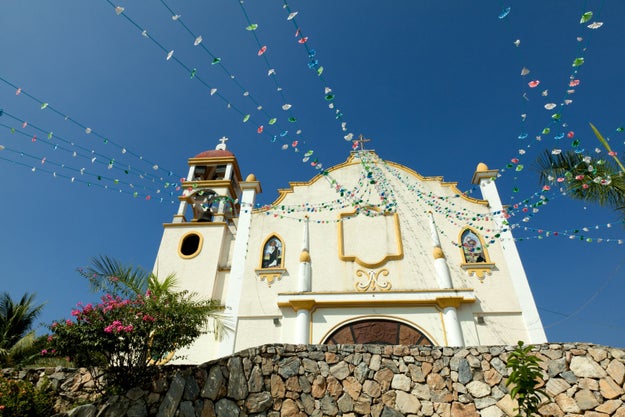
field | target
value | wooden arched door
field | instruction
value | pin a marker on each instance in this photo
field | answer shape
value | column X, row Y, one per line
column 377, row 331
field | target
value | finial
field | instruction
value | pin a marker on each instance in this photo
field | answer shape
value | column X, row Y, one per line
column 222, row 146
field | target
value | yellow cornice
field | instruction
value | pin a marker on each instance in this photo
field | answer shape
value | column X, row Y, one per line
column 195, row 224
column 212, row 161
column 480, row 175
column 351, row 161
column 439, row 179
column 302, row 304
column 421, row 291
column 292, row 184
column 439, row 302
column 212, row 184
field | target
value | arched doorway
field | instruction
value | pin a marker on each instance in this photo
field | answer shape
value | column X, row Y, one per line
column 377, row 331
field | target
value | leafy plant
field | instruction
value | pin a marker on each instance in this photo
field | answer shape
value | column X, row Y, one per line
column 21, row 399
column 524, row 377
column 127, row 332
column 18, row 343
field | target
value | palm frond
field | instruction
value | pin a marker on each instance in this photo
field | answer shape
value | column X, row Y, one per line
column 159, row 286
column 16, row 319
column 110, row 275
column 598, row 181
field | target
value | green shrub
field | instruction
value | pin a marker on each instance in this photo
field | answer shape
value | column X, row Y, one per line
column 22, row 399
column 524, row 377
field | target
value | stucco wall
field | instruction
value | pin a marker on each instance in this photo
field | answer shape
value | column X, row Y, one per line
column 378, row 381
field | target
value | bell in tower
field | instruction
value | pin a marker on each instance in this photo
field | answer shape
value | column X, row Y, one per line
column 212, row 187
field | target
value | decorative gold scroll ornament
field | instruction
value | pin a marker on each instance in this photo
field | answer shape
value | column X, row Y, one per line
column 371, row 280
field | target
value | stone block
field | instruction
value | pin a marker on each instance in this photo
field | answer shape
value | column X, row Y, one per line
column 567, row 404
column 556, row 385
column 492, row 411
column 609, row 389
column 478, row 389
column 609, row 406
column 340, row 371
column 400, row 382
column 616, row 370
column 258, row 402
column 586, row 400
column 352, row 387
column 407, row 403
column 170, row 403
column 584, row 367
column 464, row 410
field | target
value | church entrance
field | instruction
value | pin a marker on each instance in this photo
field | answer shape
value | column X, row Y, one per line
column 377, row 331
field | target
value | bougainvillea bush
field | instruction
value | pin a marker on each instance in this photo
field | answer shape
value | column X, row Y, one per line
column 120, row 338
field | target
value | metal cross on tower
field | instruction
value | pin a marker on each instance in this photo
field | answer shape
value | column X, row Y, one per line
column 222, row 145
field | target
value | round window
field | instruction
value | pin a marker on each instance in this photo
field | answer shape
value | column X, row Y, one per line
column 190, row 245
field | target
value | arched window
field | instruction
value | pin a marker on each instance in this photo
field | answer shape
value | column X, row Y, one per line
column 473, row 249
column 273, row 252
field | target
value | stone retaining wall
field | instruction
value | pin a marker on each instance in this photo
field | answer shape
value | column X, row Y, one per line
column 378, row 381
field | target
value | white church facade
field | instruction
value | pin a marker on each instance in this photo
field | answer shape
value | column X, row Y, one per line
column 368, row 251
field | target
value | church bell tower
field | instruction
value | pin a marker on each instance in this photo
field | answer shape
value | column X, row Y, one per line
column 201, row 244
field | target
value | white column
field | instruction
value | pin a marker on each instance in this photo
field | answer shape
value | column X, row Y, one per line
column 235, row 283
column 486, row 179
column 452, row 327
column 453, row 330
column 183, row 204
column 302, row 327
column 304, row 278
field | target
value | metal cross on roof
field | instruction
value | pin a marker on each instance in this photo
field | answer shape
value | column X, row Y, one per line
column 361, row 141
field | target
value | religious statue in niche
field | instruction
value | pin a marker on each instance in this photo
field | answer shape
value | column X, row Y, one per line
column 272, row 253
column 202, row 205
column 472, row 247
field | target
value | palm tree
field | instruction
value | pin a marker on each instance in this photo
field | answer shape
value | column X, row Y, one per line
column 599, row 181
column 18, row 343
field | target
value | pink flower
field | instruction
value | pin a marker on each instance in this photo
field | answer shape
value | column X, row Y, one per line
column 44, row 352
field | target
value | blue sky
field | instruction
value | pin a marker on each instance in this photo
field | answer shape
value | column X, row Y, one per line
column 436, row 85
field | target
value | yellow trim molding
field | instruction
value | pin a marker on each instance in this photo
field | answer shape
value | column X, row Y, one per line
column 270, row 274
column 438, row 299
column 353, row 258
